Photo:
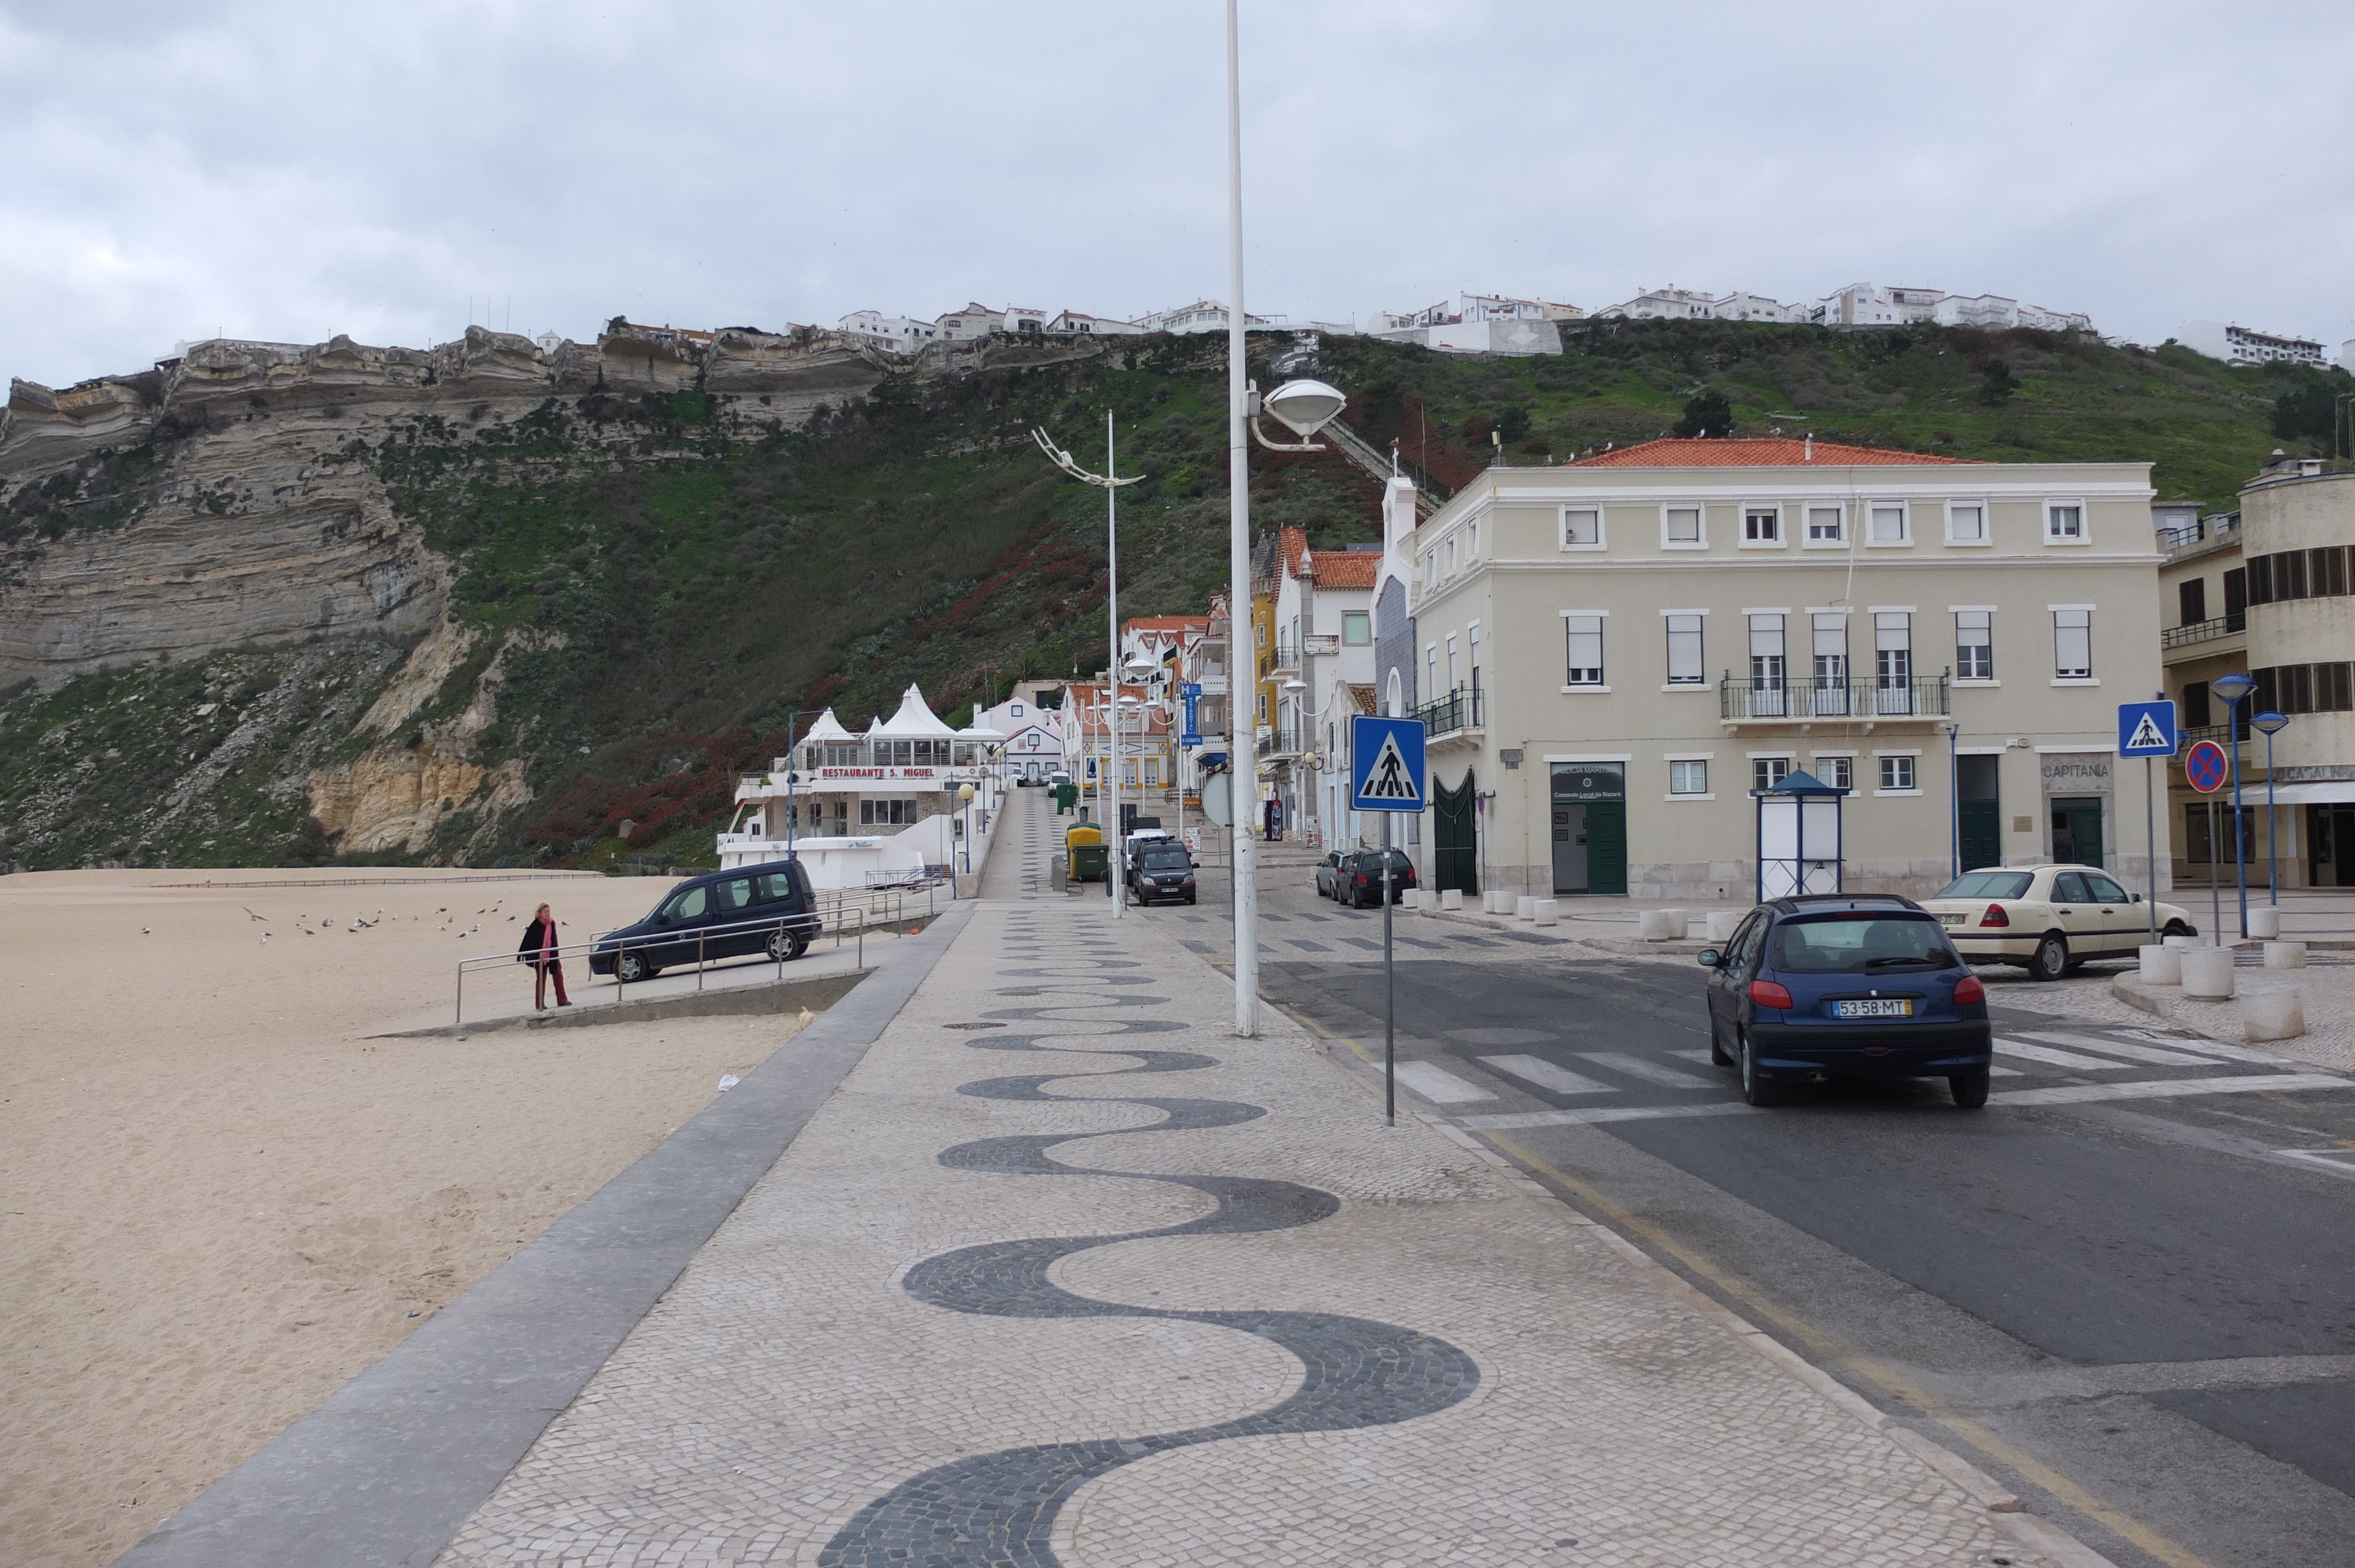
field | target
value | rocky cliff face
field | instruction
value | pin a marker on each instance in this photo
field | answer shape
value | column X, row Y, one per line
column 218, row 502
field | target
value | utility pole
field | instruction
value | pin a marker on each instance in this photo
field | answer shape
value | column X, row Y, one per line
column 1244, row 751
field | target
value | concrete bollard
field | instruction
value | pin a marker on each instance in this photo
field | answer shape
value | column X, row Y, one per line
column 2265, row 924
column 1660, row 925
column 1721, row 924
column 1545, row 911
column 2180, row 943
column 2275, row 1014
column 2161, row 965
column 1524, row 907
column 1496, row 902
column 2208, row 973
column 1452, row 899
column 2284, row 955
column 1410, row 898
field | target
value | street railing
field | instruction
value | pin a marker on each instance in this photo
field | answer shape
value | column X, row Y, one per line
column 1459, row 709
column 2202, row 631
column 845, row 913
column 1809, row 699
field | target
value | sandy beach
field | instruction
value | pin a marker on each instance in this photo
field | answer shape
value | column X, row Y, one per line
column 219, row 1199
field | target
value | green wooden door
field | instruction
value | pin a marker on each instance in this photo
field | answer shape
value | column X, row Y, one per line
column 2077, row 828
column 1606, row 846
column 1982, row 833
column 1455, row 847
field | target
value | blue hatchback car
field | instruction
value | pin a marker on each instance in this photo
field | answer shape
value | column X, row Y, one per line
column 1846, row 986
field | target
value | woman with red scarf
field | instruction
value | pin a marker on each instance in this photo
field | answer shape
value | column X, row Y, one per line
column 538, row 951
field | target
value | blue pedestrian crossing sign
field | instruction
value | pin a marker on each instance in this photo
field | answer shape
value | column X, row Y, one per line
column 2147, row 729
column 1385, row 772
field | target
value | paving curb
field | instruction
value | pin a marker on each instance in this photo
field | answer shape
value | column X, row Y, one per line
column 385, row 1471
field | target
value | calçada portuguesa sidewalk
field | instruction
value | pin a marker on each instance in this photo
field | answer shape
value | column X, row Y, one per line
column 1065, row 1272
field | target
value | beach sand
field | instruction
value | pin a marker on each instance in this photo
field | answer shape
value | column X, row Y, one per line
column 219, row 1200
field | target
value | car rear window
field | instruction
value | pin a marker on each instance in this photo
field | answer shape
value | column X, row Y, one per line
column 1861, row 943
column 1989, row 885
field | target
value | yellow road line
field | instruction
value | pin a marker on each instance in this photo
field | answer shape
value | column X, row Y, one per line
column 1888, row 1379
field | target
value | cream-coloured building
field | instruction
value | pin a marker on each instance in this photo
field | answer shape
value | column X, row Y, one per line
column 1612, row 655
column 2268, row 590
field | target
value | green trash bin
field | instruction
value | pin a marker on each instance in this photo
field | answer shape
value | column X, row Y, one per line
column 1087, row 862
column 1067, row 795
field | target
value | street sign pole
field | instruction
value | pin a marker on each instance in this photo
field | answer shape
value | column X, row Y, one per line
column 1390, row 990
column 2206, row 769
column 1387, row 775
column 2215, row 886
column 2149, row 851
column 2147, row 730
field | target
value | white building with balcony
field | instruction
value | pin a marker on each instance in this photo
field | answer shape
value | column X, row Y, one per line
column 2237, row 345
column 866, row 810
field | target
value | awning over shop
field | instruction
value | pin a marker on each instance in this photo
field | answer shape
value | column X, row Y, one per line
column 2319, row 792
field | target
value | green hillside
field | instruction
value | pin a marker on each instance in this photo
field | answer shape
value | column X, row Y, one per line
column 692, row 593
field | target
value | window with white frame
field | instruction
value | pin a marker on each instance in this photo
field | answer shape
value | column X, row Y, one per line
column 1892, row 649
column 1686, row 665
column 1680, row 526
column 1471, row 541
column 1688, row 777
column 1831, row 630
column 1431, row 671
column 1966, row 523
column 1975, row 645
column 1152, row 772
column 1897, row 773
column 1454, row 670
column 1766, row 772
column 1357, row 627
column 1839, row 772
column 2065, row 522
column 1827, row 525
column 1887, row 524
column 1761, row 525
column 1581, row 527
column 1450, row 547
column 1472, row 638
column 2073, row 644
column 1766, row 652
column 1584, row 634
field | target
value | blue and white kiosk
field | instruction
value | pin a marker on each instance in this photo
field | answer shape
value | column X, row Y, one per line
column 1798, row 837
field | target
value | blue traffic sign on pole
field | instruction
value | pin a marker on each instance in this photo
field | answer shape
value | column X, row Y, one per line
column 1386, row 771
column 2206, row 767
column 2147, row 729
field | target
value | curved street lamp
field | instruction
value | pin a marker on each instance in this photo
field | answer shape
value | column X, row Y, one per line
column 2234, row 689
column 1305, row 406
column 2270, row 724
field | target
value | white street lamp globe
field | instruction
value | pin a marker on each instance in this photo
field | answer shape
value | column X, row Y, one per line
column 1307, row 406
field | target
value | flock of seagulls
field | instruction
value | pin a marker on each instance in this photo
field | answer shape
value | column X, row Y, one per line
column 369, row 922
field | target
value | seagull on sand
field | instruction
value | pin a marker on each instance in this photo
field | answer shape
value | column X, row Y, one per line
column 145, row 932
column 250, row 914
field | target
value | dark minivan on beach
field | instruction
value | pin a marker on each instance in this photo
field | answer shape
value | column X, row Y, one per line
column 721, row 915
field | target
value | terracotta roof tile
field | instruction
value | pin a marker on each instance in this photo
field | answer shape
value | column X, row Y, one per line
column 1755, row 451
column 1346, row 569
column 1292, row 544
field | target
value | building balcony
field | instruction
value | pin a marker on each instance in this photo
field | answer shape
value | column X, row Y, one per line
column 1455, row 718
column 2201, row 632
column 1286, row 659
column 1812, row 701
column 2208, row 530
column 1279, row 744
column 861, row 781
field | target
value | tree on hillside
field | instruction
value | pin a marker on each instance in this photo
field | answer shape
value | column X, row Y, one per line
column 2309, row 413
column 1998, row 384
column 1707, row 414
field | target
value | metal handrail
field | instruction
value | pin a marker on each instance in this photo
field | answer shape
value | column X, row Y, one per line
column 1460, row 709
column 1805, row 699
column 2202, row 631
column 878, row 906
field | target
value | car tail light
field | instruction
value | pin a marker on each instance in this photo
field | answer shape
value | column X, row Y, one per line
column 1968, row 989
column 1362, row 879
column 1767, row 994
column 1995, row 915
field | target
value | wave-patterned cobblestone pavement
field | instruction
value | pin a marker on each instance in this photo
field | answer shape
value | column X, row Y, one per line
column 1263, row 1358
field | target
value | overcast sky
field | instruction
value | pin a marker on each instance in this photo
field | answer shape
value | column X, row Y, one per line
column 289, row 171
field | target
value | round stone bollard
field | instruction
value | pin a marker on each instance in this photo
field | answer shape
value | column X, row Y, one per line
column 1496, row 902
column 1722, row 923
column 2265, row 924
column 2275, row 1014
column 1545, row 911
column 1660, row 925
column 2284, row 955
column 2161, row 965
column 1524, row 907
column 2180, row 943
column 2208, row 973
column 1452, row 899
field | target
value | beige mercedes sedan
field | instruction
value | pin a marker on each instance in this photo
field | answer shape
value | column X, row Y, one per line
column 2049, row 918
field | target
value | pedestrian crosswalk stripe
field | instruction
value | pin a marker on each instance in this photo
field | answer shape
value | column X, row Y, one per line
column 1638, row 1067
column 1438, row 1084
column 1545, row 1076
column 2051, row 1058
column 2132, row 1052
column 1507, row 1120
column 2168, row 1088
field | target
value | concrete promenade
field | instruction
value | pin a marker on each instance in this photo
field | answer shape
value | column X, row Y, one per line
column 1064, row 1273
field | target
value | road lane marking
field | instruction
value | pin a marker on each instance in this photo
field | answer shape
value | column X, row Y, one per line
column 2167, row 1088
column 1638, row 1067
column 1506, row 1121
column 2213, row 1048
column 2053, row 1058
column 1545, row 1076
column 2131, row 1052
column 1438, row 1084
column 1888, row 1380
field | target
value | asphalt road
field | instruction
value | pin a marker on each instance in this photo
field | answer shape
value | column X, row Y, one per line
column 2127, row 1288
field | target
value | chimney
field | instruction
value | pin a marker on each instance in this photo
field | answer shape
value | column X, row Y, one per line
column 1807, row 454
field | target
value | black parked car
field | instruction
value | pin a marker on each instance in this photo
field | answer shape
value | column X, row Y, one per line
column 721, row 915
column 1847, row 985
column 1161, row 868
column 1360, row 878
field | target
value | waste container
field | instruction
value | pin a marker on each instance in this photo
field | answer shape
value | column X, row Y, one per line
column 1067, row 795
column 1084, row 848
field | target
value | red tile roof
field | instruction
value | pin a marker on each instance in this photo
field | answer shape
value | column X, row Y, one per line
column 1754, row 452
column 1346, row 569
column 1292, row 544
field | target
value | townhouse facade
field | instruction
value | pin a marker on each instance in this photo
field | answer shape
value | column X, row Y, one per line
column 2236, row 344
column 1323, row 669
column 2269, row 591
column 1612, row 655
